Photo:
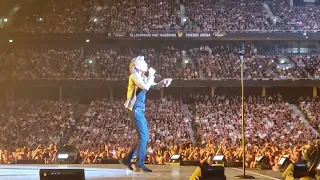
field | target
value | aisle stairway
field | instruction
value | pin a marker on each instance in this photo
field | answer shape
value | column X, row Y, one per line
column 297, row 111
column 193, row 130
column 188, row 117
column 79, row 112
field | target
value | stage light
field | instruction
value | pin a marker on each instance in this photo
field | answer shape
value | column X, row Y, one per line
column 5, row 20
column 95, row 20
column 218, row 159
column 68, row 155
column 262, row 162
column 88, row 40
column 175, row 159
column 63, row 156
column 283, row 162
column 10, row 41
column 260, row 158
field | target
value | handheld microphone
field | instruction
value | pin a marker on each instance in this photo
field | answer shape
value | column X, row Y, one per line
column 156, row 75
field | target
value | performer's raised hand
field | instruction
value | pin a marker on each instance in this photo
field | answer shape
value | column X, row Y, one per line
column 164, row 83
column 167, row 82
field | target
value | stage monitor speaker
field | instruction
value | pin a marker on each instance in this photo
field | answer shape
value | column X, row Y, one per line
column 212, row 172
column 300, row 170
column 207, row 172
column 68, row 154
column 62, row 174
column 296, row 170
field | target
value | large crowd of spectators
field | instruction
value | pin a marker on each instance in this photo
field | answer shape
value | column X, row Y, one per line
column 222, row 62
column 31, row 123
column 269, row 126
column 311, row 107
column 32, row 130
column 99, row 16
column 106, row 125
column 215, row 62
column 104, row 131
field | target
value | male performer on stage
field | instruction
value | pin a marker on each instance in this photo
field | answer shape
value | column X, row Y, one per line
column 138, row 85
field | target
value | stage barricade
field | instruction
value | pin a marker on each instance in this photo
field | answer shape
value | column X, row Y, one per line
column 109, row 161
column 233, row 164
column 30, row 161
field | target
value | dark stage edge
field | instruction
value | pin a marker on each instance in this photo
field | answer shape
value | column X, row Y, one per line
column 118, row 172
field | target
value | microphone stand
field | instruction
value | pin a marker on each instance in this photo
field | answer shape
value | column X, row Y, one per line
column 243, row 176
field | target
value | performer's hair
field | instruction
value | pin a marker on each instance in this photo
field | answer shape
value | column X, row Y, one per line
column 131, row 66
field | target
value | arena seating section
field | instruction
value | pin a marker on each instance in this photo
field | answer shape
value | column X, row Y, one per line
column 58, row 16
column 218, row 62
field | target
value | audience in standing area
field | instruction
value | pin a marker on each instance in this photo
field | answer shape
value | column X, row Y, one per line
column 104, row 130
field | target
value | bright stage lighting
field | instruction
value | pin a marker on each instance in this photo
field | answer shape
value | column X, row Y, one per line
column 63, row 156
column 218, row 158
column 175, row 159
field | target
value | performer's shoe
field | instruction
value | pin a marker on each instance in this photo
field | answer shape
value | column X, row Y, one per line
column 141, row 168
column 126, row 162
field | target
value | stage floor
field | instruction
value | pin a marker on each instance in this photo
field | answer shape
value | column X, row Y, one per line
column 108, row 171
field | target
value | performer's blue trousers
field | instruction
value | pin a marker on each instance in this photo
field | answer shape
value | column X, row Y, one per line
column 140, row 124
